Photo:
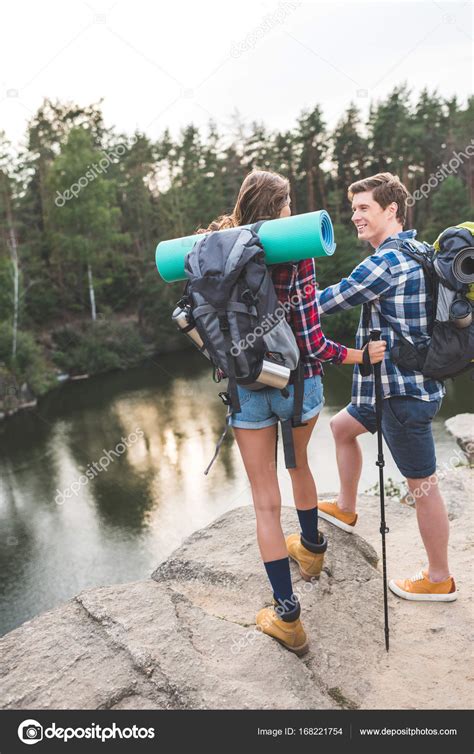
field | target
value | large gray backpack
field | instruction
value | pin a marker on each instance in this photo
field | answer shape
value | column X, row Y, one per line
column 231, row 301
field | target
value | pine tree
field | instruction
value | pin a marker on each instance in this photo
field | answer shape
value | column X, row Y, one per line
column 311, row 134
column 83, row 217
column 9, row 240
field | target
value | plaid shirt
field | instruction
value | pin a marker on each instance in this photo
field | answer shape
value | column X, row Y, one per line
column 295, row 284
column 401, row 305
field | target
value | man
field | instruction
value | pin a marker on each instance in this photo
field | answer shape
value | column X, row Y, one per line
column 394, row 286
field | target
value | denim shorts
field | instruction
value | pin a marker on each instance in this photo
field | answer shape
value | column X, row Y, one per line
column 406, row 427
column 262, row 408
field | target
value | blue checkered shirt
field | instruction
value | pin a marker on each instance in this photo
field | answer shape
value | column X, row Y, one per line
column 401, row 305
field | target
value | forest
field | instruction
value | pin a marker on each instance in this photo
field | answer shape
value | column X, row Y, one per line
column 82, row 207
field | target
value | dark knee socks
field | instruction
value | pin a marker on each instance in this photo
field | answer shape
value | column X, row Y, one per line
column 309, row 524
column 278, row 572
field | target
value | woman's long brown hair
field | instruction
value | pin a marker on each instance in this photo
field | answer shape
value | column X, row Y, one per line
column 262, row 196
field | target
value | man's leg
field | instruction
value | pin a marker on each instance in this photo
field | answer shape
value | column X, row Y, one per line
column 346, row 426
column 407, row 427
column 345, row 430
column 433, row 524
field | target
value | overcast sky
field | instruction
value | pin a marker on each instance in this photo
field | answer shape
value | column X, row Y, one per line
column 160, row 65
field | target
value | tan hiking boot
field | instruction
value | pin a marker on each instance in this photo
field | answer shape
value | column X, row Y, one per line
column 289, row 633
column 330, row 511
column 421, row 589
column 309, row 556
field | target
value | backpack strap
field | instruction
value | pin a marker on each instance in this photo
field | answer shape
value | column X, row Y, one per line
column 226, row 400
column 430, row 278
column 256, row 226
column 366, row 316
column 288, row 444
column 298, row 396
column 295, row 421
column 233, row 392
column 423, row 260
column 232, row 306
column 184, row 300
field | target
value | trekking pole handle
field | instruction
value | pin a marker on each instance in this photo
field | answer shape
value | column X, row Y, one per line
column 375, row 334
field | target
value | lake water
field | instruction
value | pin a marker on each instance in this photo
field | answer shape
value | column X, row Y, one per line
column 132, row 506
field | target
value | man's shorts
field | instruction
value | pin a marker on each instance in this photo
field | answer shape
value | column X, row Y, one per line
column 262, row 408
column 406, row 427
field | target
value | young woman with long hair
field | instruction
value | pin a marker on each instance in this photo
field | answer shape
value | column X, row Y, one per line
column 264, row 195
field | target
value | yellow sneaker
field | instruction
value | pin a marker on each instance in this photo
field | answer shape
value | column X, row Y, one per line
column 330, row 511
column 309, row 556
column 420, row 588
column 289, row 633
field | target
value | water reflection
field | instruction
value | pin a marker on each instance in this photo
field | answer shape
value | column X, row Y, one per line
column 133, row 512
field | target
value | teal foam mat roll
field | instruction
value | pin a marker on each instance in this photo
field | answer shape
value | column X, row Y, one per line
column 286, row 239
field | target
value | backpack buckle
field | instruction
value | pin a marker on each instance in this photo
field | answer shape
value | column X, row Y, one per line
column 183, row 302
column 248, row 298
column 223, row 322
column 225, row 398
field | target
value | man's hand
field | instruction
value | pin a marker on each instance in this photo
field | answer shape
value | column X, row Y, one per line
column 376, row 350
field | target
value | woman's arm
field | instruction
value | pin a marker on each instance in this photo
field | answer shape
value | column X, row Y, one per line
column 305, row 318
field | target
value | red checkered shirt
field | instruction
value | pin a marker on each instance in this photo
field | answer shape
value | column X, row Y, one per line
column 296, row 284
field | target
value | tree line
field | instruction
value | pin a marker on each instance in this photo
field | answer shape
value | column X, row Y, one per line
column 82, row 207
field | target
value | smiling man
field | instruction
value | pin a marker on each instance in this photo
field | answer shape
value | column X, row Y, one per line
column 392, row 285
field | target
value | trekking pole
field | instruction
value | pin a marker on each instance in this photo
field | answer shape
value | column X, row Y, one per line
column 375, row 335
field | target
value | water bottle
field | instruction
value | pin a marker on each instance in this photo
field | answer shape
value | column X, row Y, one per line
column 460, row 312
column 274, row 374
column 182, row 317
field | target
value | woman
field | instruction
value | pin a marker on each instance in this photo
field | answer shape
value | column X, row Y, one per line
column 264, row 195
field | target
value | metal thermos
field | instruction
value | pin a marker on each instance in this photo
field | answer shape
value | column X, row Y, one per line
column 181, row 316
column 460, row 312
column 274, row 374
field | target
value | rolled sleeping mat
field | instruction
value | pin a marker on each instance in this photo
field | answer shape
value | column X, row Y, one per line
column 286, row 239
column 463, row 266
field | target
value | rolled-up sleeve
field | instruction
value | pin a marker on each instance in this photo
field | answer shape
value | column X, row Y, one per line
column 305, row 319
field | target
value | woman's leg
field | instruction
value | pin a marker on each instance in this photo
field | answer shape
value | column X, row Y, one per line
column 304, row 487
column 257, row 447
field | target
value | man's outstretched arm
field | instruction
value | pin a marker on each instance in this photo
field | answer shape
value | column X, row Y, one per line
column 365, row 283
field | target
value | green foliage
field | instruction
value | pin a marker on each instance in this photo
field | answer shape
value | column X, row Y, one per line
column 157, row 301
column 450, row 206
column 5, row 289
column 83, row 218
column 29, row 365
column 97, row 347
column 149, row 191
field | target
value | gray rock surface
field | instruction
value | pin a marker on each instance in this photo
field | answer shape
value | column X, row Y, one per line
column 461, row 427
column 186, row 637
